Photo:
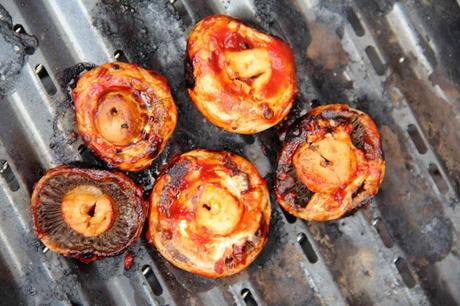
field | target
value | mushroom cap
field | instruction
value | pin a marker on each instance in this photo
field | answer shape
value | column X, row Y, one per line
column 125, row 114
column 331, row 163
column 210, row 213
column 86, row 213
column 240, row 79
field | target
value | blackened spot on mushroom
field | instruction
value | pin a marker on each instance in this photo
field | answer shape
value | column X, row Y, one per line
column 360, row 205
column 268, row 112
column 263, row 228
column 337, row 115
column 302, row 194
column 231, row 165
column 113, row 111
column 229, row 262
column 124, row 126
column 359, row 190
column 238, row 253
column 189, row 73
column 92, row 210
column 253, row 78
column 144, row 135
column 325, row 162
column 329, row 130
column 167, row 234
column 249, row 246
column 293, row 190
column 358, row 134
column 176, row 173
column 154, row 148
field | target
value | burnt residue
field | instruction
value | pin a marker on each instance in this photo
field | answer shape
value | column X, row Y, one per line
column 68, row 77
column 189, row 74
column 327, row 60
column 177, row 171
column 231, row 165
column 65, row 130
column 129, row 23
column 14, row 46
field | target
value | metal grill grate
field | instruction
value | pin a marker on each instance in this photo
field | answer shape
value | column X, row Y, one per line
column 398, row 61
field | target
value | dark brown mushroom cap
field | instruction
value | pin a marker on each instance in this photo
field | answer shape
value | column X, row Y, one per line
column 331, row 163
column 127, row 219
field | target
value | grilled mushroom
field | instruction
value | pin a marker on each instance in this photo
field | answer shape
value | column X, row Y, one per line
column 125, row 113
column 331, row 164
column 87, row 214
column 210, row 213
column 240, row 79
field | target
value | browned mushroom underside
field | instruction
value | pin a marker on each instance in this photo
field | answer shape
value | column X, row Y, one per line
column 60, row 235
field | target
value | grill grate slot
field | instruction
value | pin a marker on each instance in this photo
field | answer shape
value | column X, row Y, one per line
column 355, row 23
column 417, row 139
column 120, row 56
column 18, row 28
column 248, row 299
column 307, row 248
column 382, row 230
column 438, row 178
column 157, row 289
column 7, row 173
column 289, row 218
column 403, row 269
column 45, row 78
column 376, row 62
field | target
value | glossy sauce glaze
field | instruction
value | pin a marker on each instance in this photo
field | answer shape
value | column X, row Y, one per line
column 210, row 213
column 72, row 239
column 243, row 80
column 125, row 114
column 331, row 163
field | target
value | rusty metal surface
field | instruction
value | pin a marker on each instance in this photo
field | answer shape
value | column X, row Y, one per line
column 396, row 60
